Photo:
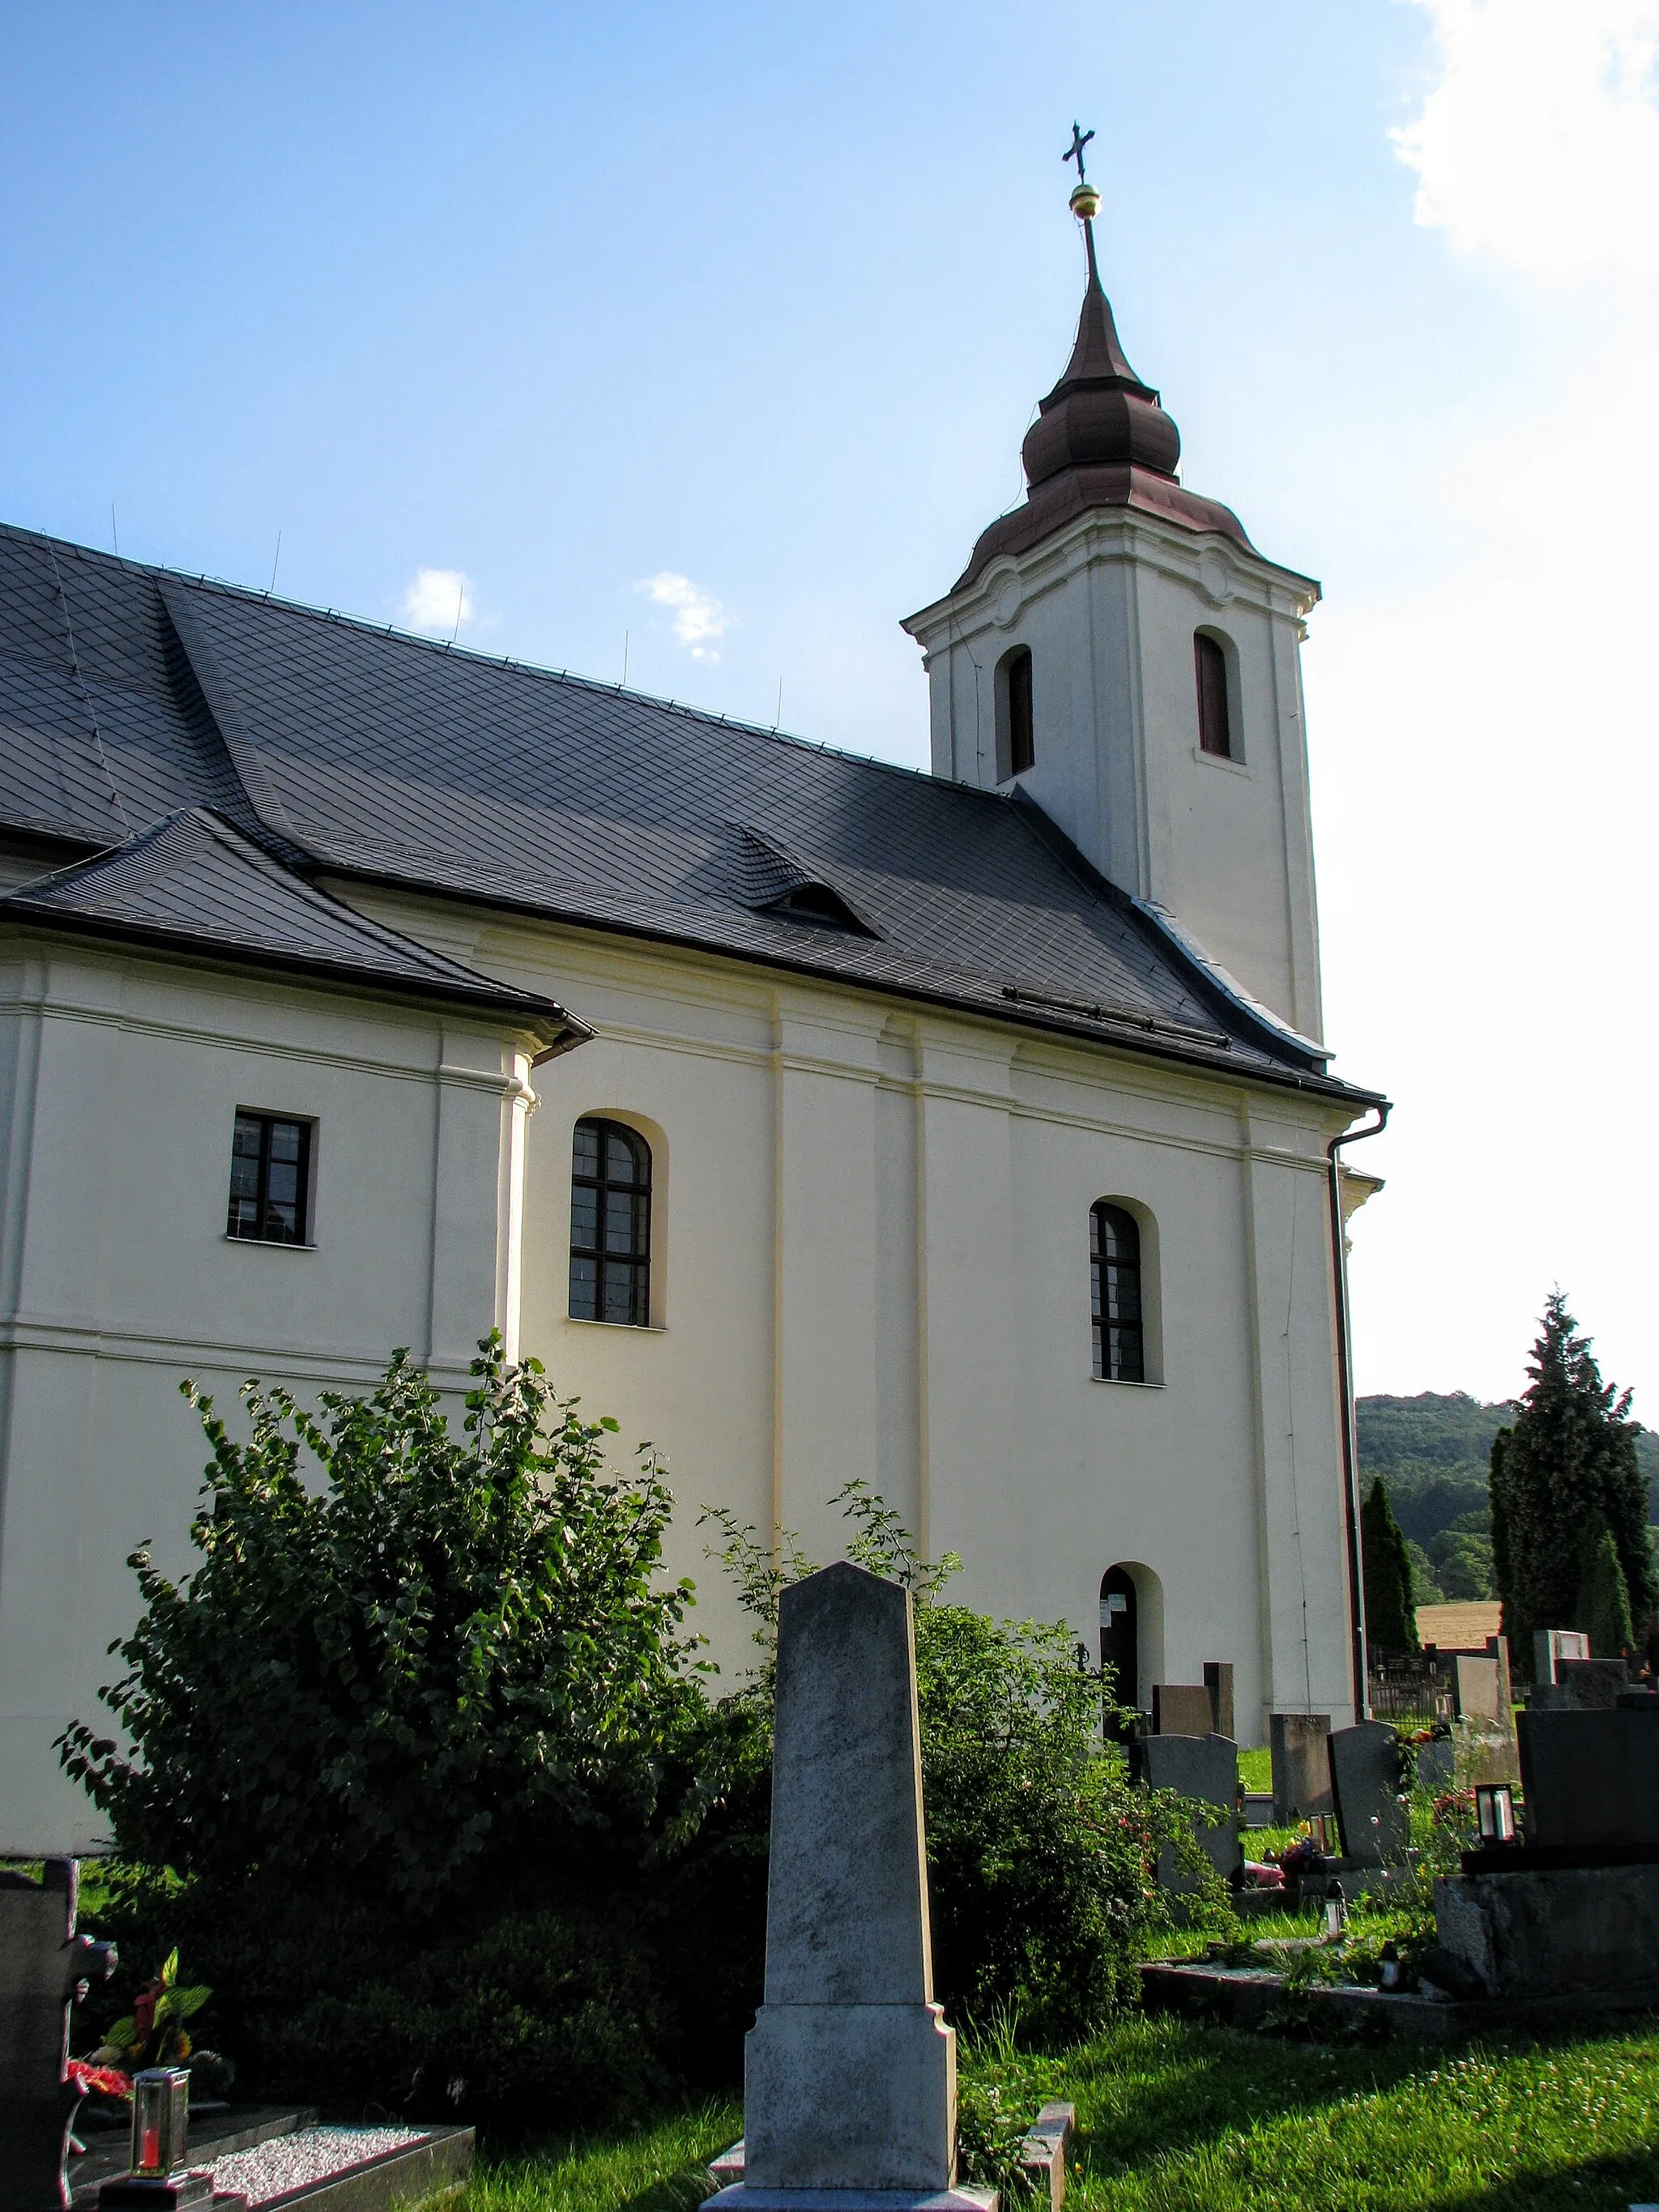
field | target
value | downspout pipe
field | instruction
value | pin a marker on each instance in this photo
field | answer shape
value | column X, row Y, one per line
column 1348, row 1424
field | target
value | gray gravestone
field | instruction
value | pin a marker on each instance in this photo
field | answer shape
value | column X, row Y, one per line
column 1591, row 1779
column 1218, row 1682
column 1181, row 1709
column 849, row 2071
column 1436, row 1766
column 1205, row 1768
column 1497, row 1648
column 1550, row 1645
column 1581, row 1686
column 1477, row 1689
column 1302, row 1773
column 42, row 1959
column 1365, row 1783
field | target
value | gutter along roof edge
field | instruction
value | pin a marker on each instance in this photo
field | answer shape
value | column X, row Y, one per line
column 1131, row 1038
column 544, row 1017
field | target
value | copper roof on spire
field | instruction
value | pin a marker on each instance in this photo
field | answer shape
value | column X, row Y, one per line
column 1101, row 438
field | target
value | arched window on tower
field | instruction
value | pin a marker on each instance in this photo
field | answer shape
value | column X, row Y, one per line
column 1016, row 743
column 609, row 1224
column 1115, row 1270
column 1214, row 724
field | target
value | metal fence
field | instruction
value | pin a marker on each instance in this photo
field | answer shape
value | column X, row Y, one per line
column 1400, row 1688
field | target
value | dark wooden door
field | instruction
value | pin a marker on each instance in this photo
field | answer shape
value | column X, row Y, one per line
column 1119, row 1646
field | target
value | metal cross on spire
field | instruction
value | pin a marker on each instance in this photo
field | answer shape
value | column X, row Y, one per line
column 1074, row 151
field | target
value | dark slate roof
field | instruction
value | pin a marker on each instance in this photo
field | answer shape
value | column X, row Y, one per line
column 127, row 693
column 194, row 884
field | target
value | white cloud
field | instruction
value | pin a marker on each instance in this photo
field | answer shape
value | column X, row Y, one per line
column 440, row 600
column 1539, row 146
column 699, row 619
column 1487, row 773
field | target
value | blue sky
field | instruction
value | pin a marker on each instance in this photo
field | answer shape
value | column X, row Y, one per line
column 559, row 301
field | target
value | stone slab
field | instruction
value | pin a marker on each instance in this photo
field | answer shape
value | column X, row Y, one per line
column 850, row 2097
column 847, row 1890
column 1581, row 1686
column 1478, row 1689
column 1436, row 1766
column 1569, row 1932
column 439, row 2160
column 1365, row 1784
column 1591, row 1777
column 1043, row 2153
column 213, row 2135
column 1182, row 1708
column 1205, row 1768
column 1244, row 1997
column 1550, row 1645
column 849, row 2071
column 1302, row 1774
column 745, row 2197
column 1218, row 1682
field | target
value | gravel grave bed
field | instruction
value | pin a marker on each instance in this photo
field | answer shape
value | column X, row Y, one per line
column 272, row 2169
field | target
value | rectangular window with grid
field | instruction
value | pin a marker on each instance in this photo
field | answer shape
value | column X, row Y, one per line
column 270, row 1179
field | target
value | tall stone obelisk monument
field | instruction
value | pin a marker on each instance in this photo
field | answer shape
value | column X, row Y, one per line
column 849, row 2078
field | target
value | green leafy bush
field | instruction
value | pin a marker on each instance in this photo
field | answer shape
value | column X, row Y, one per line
column 419, row 1769
column 1039, row 1852
column 452, row 1662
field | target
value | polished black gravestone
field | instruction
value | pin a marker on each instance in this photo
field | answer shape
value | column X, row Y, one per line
column 1591, row 1779
column 43, row 1963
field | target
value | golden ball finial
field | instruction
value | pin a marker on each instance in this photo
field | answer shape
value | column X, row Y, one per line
column 1085, row 203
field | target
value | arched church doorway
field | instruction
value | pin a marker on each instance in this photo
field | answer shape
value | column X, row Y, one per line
column 1119, row 1641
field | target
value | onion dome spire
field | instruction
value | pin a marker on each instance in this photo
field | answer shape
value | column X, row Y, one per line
column 1102, row 438
column 1100, row 413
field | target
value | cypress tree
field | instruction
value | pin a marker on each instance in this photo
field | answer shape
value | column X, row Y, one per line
column 1570, row 1459
column 1603, row 1600
column 1390, row 1606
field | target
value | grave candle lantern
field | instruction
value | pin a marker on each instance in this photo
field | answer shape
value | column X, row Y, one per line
column 160, row 2114
column 1494, row 1812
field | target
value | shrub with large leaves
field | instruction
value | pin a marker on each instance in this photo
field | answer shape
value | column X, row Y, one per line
column 442, row 1668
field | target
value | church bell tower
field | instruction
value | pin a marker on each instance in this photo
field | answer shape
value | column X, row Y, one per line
column 1118, row 650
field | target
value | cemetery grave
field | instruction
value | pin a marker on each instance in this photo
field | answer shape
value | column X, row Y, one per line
column 849, row 2071
column 242, row 2158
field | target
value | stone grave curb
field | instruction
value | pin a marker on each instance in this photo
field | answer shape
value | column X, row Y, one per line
column 244, row 2128
column 441, row 2159
column 1043, row 2153
column 1242, row 1997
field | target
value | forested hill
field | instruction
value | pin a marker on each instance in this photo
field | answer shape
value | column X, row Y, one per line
column 1433, row 1453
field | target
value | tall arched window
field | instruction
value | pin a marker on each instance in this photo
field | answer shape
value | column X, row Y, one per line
column 1115, row 1269
column 1016, row 742
column 1214, row 728
column 609, row 1224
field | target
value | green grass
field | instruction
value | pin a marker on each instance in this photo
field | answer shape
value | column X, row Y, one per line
column 1173, row 2117
column 654, row 2168
column 1255, row 1769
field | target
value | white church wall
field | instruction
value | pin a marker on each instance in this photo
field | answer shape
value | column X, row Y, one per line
column 119, row 1081
column 876, row 1240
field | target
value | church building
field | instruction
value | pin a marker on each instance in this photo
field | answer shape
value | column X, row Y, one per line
column 970, row 1133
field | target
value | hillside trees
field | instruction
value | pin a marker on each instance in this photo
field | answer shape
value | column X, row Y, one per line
column 1569, row 1459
